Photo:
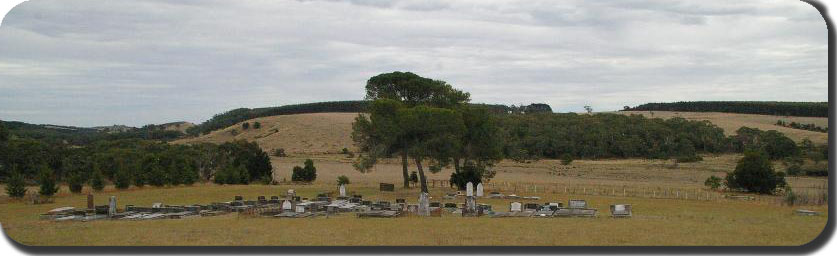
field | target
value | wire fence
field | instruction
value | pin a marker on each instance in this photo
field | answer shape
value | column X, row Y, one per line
column 809, row 194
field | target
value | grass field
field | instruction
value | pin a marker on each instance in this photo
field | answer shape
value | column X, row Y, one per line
column 656, row 222
column 671, row 204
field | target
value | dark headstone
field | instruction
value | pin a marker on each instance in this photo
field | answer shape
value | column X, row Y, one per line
column 400, row 201
column 239, row 198
column 90, row 204
column 450, row 205
column 387, row 187
column 366, row 202
column 435, row 204
column 532, row 206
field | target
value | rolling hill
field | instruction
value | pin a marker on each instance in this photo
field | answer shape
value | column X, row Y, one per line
column 315, row 133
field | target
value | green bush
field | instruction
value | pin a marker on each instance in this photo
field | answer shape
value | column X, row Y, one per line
column 122, row 179
column 414, row 177
column 76, row 182
column 755, row 173
column 713, row 182
column 245, row 126
column 257, row 125
column 279, row 152
column 795, row 170
column 16, row 185
column 342, row 179
column 468, row 172
column 305, row 174
column 97, row 181
column 47, row 181
column 566, row 159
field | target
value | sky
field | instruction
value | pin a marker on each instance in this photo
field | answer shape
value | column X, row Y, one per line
column 104, row 62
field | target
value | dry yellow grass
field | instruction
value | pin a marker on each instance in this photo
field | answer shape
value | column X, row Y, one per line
column 656, row 222
column 319, row 136
column 303, row 133
column 730, row 122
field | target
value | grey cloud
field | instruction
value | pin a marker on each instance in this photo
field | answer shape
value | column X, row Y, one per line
column 94, row 62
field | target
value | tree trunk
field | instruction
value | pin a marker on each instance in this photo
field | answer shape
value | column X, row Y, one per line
column 421, row 176
column 404, row 168
column 456, row 164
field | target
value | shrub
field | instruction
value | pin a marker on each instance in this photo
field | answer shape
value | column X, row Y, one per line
column 279, row 152
column 794, row 170
column 305, row 174
column 16, row 185
column 139, row 179
column 468, row 172
column 257, row 125
column 566, row 159
column 232, row 174
column 245, row 126
column 414, row 177
column 156, row 176
column 122, row 179
column 688, row 159
column 342, row 179
column 76, row 182
column 713, row 182
column 97, row 181
column 755, row 173
column 47, row 181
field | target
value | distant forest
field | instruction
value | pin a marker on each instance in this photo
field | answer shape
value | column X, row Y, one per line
column 235, row 116
column 809, row 109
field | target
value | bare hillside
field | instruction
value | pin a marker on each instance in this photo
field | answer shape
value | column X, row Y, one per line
column 731, row 122
column 297, row 134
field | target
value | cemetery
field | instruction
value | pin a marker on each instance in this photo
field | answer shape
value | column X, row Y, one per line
column 291, row 205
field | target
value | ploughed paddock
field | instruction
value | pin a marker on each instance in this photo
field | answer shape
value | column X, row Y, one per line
column 290, row 205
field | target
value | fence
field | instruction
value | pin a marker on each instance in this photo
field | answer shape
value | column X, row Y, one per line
column 813, row 194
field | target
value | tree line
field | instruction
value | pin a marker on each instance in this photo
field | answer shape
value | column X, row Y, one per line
column 810, row 109
column 801, row 126
column 129, row 162
column 428, row 121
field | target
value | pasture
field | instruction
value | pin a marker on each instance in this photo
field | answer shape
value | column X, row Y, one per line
column 704, row 218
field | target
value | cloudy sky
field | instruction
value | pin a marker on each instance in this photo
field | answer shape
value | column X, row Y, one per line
column 97, row 62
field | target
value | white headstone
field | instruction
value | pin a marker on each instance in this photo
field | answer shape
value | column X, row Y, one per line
column 424, row 204
column 479, row 190
column 516, row 207
column 342, row 189
column 287, row 206
column 300, row 209
column 112, row 206
column 469, row 189
column 291, row 193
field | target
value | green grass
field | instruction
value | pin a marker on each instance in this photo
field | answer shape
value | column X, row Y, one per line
column 656, row 222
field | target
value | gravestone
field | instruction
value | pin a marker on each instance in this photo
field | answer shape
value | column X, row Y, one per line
column 578, row 204
column 515, row 207
column 450, row 205
column 90, row 204
column 620, row 210
column 532, row 206
column 400, row 200
column 435, row 204
column 239, row 198
column 470, row 208
column 469, row 189
column 291, row 194
column 387, row 187
column 424, row 204
column 287, row 205
column 300, row 209
column 112, row 206
column 342, row 189
column 479, row 190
